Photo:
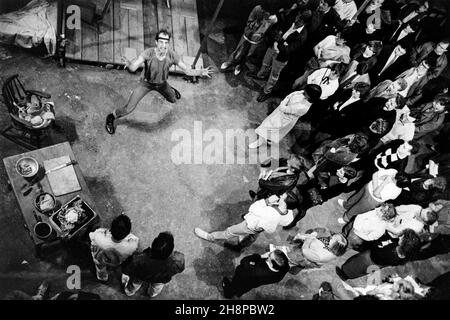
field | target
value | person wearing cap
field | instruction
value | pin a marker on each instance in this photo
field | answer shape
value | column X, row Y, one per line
column 281, row 121
column 264, row 215
column 156, row 62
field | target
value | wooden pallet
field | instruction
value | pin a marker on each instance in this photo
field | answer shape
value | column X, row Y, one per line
column 132, row 24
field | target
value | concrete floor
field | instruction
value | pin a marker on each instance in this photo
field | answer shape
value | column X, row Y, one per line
column 132, row 172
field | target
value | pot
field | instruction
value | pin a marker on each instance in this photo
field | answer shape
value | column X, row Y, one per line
column 43, row 230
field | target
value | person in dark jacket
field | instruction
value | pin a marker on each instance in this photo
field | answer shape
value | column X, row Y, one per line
column 254, row 271
column 382, row 254
column 156, row 265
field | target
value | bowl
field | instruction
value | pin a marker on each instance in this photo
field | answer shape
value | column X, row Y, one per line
column 45, row 202
column 27, row 167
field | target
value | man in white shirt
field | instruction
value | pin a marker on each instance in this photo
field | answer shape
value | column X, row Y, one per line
column 403, row 128
column 109, row 248
column 412, row 217
column 382, row 188
column 263, row 215
column 369, row 226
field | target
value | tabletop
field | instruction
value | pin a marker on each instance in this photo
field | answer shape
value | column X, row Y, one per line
column 26, row 202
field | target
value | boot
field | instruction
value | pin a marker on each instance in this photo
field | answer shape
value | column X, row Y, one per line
column 110, row 128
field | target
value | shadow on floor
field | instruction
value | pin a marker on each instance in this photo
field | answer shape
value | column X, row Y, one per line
column 146, row 127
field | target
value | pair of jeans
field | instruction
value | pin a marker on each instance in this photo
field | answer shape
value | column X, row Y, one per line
column 132, row 285
column 143, row 88
column 277, row 67
column 246, row 235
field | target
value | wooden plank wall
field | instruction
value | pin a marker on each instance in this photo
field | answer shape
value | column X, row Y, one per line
column 134, row 25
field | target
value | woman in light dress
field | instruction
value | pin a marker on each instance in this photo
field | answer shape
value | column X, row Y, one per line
column 278, row 124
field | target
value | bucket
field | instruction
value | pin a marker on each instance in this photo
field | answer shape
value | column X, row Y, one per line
column 43, row 230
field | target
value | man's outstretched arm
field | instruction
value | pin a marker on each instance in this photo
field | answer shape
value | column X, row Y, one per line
column 203, row 72
column 132, row 66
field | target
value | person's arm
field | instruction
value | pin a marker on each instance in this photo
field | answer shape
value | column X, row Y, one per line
column 132, row 66
column 417, row 52
column 203, row 72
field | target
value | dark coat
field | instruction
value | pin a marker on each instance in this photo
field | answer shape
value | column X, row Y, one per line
column 399, row 66
column 252, row 272
column 144, row 267
column 290, row 48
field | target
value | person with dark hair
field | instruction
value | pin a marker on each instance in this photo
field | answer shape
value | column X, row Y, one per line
column 156, row 62
column 261, row 18
column 385, row 185
column 422, row 191
column 281, row 121
column 327, row 78
column 326, row 22
column 435, row 52
column 286, row 47
column 416, row 78
column 387, row 89
column 430, row 116
column 383, row 254
column 264, row 215
column 392, row 60
column 156, row 266
column 109, row 248
column 255, row 271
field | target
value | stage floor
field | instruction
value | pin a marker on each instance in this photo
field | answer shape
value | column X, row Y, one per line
column 132, row 24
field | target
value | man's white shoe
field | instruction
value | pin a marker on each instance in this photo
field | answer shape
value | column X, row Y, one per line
column 341, row 202
column 224, row 66
column 203, row 234
column 341, row 221
column 256, row 144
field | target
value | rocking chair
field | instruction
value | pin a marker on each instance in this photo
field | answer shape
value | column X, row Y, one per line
column 31, row 115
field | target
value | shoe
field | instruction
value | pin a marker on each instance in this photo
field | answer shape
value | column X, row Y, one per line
column 224, row 66
column 102, row 277
column 252, row 194
column 177, row 93
column 42, row 291
column 203, row 234
column 341, row 274
column 263, row 97
column 341, row 202
column 233, row 247
column 341, row 221
column 156, row 291
column 125, row 278
column 110, row 124
column 237, row 70
column 256, row 144
column 299, row 216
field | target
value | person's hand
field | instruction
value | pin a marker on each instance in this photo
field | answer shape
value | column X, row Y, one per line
column 207, row 72
column 126, row 61
column 273, row 199
column 273, row 18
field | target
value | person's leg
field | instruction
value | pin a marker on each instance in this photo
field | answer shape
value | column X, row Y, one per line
column 354, row 198
column 237, row 230
column 264, row 71
column 234, row 57
column 141, row 90
column 169, row 92
column 131, row 104
column 356, row 266
column 154, row 289
column 130, row 285
column 100, row 269
column 277, row 67
column 366, row 203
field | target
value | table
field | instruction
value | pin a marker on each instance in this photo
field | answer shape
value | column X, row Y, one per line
column 26, row 202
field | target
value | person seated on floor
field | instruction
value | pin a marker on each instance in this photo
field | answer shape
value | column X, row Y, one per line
column 312, row 250
column 412, row 217
column 393, row 288
column 109, row 248
column 362, row 230
column 264, row 215
column 156, row 266
column 255, row 271
column 279, row 180
column 391, row 252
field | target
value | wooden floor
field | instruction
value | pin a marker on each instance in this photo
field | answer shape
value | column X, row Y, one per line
column 133, row 24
